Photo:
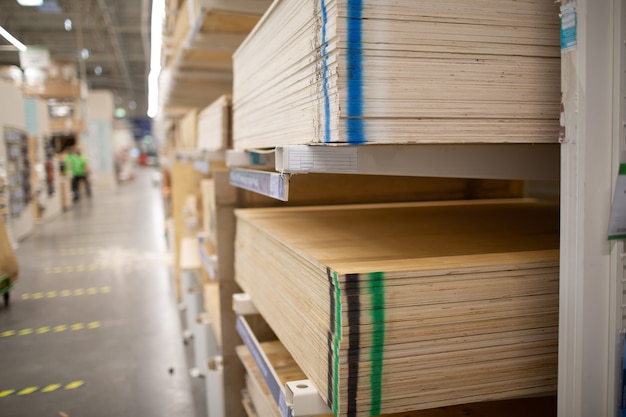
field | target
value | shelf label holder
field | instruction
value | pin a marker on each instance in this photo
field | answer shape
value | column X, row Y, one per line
column 270, row 184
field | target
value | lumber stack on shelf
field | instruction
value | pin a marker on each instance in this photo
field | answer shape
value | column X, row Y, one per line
column 207, row 191
column 448, row 71
column 287, row 370
column 200, row 37
column 185, row 181
column 214, row 125
column 60, row 81
column 402, row 307
column 220, row 199
column 187, row 132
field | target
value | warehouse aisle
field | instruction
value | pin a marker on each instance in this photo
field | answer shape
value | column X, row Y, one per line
column 93, row 329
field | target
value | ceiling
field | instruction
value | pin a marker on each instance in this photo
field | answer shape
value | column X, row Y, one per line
column 115, row 32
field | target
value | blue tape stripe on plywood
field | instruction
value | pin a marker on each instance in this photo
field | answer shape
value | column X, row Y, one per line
column 354, row 56
column 325, row 73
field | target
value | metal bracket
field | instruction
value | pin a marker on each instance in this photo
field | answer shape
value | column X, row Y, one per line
column 243, row 305
column 303, row 399
column 298, row 398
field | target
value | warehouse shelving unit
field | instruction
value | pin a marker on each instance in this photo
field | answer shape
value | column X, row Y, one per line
column 513, row 162
column 592, row 275
column 592, row 296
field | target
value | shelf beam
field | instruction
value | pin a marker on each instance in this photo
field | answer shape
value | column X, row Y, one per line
column 250, row 158
column 485, row 161
column 201, row 155
column 263, row 363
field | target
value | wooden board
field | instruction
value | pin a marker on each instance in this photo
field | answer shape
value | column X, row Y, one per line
column 399, row 72
column 409, row 306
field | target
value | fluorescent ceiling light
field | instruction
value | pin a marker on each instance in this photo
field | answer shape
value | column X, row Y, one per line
column 30, row 2
column 158, row 12
column 6, row 35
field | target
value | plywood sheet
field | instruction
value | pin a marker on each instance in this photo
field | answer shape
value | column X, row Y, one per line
column 409, row 306
column 399, row 72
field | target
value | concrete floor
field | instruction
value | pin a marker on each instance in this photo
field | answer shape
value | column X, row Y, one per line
column 93, row 329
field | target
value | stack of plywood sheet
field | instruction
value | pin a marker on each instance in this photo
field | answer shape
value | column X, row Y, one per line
column 287, row 370
column 200, row 37
column 187, row 131
column 214, row 125
column 396, row 307
column 407, row 71
column 207, row 191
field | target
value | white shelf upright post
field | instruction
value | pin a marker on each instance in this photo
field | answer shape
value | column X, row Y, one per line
column 618, row 257
column 588, row 342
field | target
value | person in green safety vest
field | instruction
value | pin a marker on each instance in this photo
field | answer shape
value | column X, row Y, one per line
column 76, row 166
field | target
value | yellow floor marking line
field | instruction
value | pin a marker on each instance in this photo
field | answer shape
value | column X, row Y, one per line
column 56, row 329
column 74, row 385
column 60, row 328
column 76, row 268
column 46, row 389
column 51, row 388
column 67, row 293
column 28, row 390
